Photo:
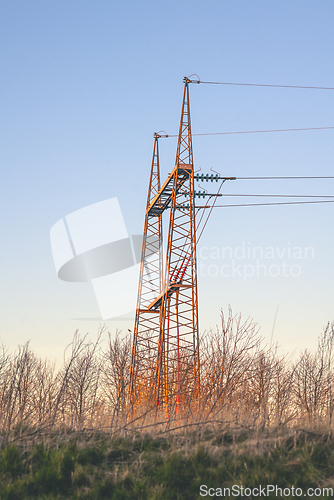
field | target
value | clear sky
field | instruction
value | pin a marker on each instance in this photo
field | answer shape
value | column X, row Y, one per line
column 84, row 85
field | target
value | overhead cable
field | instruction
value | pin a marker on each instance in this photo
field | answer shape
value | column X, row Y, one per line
column 287, row 177
column 212, row 206
column 282, row 195
column 264, row 85
column 268, row 204
column 166, row 136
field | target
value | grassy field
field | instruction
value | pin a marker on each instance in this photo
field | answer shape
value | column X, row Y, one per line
column 255, row 421
column 69, row 465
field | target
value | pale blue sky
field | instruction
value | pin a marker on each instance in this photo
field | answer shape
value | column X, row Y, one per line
column 83, row 87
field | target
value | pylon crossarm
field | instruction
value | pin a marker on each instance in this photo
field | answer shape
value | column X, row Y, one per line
column 173, row 287
column 162, row 200
column 148, row 311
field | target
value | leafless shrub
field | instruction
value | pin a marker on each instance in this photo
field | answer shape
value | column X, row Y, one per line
column 227, row 358
column 43, row 393
column 81, row 392
column 17, row 387
column 313, row 384
column 283, row 409
column 242, row 383
column 115, row 374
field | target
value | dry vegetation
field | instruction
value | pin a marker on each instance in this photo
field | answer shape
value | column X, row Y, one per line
column 70, row 433
column 243, row 384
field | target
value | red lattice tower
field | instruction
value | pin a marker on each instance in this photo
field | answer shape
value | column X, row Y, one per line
column 165, row 364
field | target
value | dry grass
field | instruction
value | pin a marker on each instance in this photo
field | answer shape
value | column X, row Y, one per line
column 93, row 465
column 244, row 385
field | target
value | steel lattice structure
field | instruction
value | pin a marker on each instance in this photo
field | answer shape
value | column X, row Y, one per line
column 165, row 365
column 147, row 321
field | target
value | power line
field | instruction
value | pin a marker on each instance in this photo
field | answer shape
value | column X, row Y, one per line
column 166, row 136
column 217, row 177
column 257, row 131
column 212, row 206
column 280, row 178
column 268, row 204
column 282, row 195
column 266, row 131
column 264, row 85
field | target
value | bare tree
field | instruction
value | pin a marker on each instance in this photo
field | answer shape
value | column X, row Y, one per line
column 116, row 371
column 314, row 380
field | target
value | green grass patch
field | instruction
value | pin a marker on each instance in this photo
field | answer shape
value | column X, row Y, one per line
column 83, row 466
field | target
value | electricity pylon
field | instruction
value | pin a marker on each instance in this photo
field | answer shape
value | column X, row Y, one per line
column 147, row 322
column 165, row 362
